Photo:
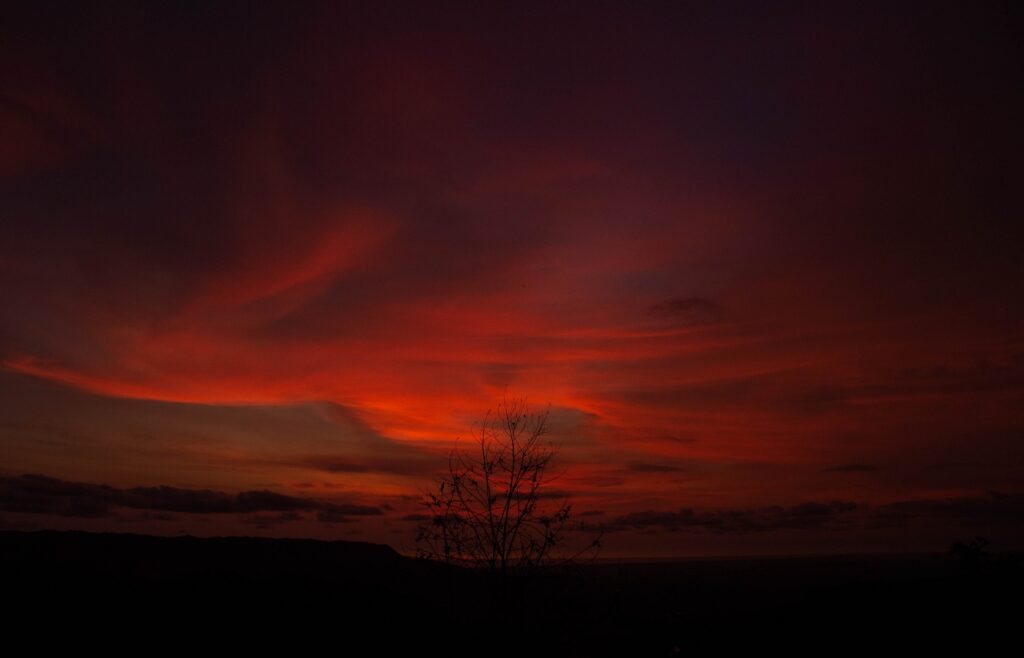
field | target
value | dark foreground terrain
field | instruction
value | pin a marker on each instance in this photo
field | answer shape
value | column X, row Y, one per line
column 141, row 593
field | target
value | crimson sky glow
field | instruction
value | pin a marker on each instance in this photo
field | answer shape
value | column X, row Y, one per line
column 763, row 262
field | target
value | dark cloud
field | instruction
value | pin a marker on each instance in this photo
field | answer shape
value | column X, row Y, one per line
column 38, row 494
column 953, row 466
column 333, row 465
column 687, row 310
column 153, row 516
column 984, row 375
column 852, row 468
column 992, row 510
column 678, row 439
column 173, row 499
column 270, row 520
column 548, row 494
column 599, row 480
column 764, row 519
column 641, row 467
column 761, row 390
column 684, row 305
column 783, row 391
column 413, row 463
column 330, row 516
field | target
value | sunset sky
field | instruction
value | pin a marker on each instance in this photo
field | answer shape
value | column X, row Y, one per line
column 261, row 265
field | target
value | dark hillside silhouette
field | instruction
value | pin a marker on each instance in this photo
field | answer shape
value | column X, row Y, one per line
column 247, row 591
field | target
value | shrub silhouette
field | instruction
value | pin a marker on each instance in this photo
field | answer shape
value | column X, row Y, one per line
column 972, row 555
column 492, row 511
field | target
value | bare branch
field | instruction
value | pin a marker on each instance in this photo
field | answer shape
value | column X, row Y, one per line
column 488, row 512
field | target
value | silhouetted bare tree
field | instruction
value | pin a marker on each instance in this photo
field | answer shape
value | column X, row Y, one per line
column 492, row 510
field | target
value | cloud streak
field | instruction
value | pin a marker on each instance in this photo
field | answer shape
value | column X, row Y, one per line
column 38, row 494
column 992, row 510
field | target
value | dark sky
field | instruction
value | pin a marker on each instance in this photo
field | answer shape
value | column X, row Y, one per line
column 763, row 260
